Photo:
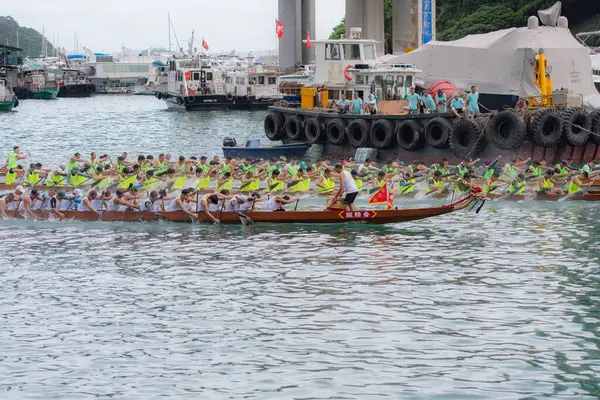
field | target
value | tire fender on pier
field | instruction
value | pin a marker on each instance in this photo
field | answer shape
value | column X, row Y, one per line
column 437, row 132
column 409, row 136
column 507, row 130
column 313, row 131
column 467, row 139
column 274, row 126
column 191, row 99
column 294, row 127
column 595, row 117
column 358, row 132
column 546, row 127
column 577, row 126
column 382, row 134
column 336, row 132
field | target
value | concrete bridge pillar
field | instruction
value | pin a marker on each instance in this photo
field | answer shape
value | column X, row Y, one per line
column 413, row 23
column 298, row 18
column 367, row 15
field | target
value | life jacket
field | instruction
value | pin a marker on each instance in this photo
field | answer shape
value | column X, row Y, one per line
column 10, row 177
column 275, row 186
column 179, row 183
column 516, row 187
column 127, row 181
column 547, row 184
column 12, row 160
column 228, row 184
column 328, row 184
column 434, row 182
column 359, row 184
column 33, row 177
column 407, row 186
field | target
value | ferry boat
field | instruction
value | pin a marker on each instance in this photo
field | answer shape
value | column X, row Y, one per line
column 529, row 62
column 75, row 83
column 40, row 84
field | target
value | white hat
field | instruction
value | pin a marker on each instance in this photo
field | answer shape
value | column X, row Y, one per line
column 77, row 192
column 19, row 189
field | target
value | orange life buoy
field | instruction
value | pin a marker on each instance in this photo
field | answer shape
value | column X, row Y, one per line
column 346, row 73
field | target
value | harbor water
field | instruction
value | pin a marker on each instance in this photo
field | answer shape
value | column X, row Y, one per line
column 503, row 304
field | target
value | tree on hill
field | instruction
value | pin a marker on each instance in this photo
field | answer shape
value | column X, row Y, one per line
column 30, row 40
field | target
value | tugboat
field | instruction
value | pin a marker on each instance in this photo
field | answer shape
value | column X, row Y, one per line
column 8, row 99
column 75, row 83
column 39, row 86
column 548, row 123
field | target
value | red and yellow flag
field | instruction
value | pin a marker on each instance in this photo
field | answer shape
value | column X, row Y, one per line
column 380, row 196
column 390, row 201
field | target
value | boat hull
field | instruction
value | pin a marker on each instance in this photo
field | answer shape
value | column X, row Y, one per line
column 289, row 151
column 77, row 90
column 46, row 94
column 6, row 106
column 288, row 217
column 217, row 102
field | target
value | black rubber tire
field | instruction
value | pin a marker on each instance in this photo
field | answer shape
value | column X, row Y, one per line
column 507, row 130
column 577, row 126
column 336, row 132
column 358, row 132
column 546, row 127
column 437, row 132
column 595, row 117
column 313, row 131
column 382, row 134
column 467, row 138
column 294, row 127
column 274, row 124
column 409, row 135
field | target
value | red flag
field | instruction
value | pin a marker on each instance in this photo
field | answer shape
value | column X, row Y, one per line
column 390, row 202
column 308, row 44
column 204, row 45
column 380, row 196
column 279, row 29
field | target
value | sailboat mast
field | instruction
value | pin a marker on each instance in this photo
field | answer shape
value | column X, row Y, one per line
column 169, row 32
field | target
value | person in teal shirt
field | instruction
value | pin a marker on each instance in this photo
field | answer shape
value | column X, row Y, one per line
column 473, row 102
column 428, row 102
column 440, row 101
column 343, row 105
column 457, row 105
column 357, row 104
column 413, row 101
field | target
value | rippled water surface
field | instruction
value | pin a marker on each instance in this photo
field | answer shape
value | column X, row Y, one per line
column 502, row 305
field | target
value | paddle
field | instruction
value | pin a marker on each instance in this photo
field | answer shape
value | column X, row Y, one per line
column 244, row 219
column 583, row 191
column 296, row 207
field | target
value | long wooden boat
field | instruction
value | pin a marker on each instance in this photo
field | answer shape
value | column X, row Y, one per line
column 288, row 217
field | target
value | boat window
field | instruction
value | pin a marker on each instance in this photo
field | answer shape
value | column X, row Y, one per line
column 351, row 52
column 272, row 80
column 378, row 80
column 251, row 80
column 332, row 51
column 360, row 79
column 261, row 80
column 227, row 79
column 389, row 79
column 369, row 50
column 196, row 76
column 399, row 80
column 209, row 76
column 409, row 80
column 240, row 80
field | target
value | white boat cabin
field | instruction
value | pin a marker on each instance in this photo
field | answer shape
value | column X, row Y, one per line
column 264, row 84
column 74, row 77
column 193, row 77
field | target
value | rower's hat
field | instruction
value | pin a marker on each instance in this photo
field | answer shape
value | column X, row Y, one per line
column 61, row 193
column 77, row 192
column 19, row 189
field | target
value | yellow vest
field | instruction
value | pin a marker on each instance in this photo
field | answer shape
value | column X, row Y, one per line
column 10, row 178
column 302, row 186
column 179, row 183
column 329, row 185
column 127, row 181
column 359, row 184
column 275, row 186
column 406, row 189
column 226, row 185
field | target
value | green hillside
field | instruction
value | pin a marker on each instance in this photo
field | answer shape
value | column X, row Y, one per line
column 30, row 40
column 458, row 18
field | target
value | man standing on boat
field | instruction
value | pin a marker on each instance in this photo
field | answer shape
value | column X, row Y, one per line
column 348, row 186
column 413, row 101
column 357, row 104
column 14, row 157
column 473, row 102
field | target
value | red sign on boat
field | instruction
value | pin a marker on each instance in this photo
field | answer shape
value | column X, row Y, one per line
column 357, row 214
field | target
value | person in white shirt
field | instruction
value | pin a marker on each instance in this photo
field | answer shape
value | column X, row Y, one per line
column 347, row 186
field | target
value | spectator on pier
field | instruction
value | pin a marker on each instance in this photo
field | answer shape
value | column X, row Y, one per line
column 521, row 105
column 357, row 104
column 457, row 105
column 428, row 102
column 440, row 101
column 413, row 101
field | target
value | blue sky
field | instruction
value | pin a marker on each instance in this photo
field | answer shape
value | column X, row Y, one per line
column 139, row 24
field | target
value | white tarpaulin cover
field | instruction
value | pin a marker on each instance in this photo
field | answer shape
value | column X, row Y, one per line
column 500, row 62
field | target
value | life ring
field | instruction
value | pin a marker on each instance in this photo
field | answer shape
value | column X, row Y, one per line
column 229, row 96
column 347, row 74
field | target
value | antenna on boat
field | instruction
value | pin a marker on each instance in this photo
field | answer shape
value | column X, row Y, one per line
column 191, row 45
